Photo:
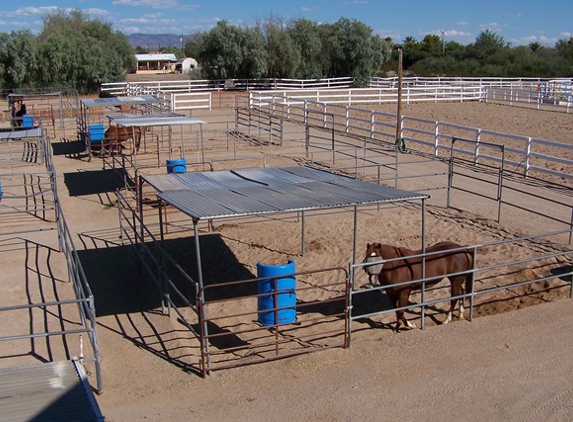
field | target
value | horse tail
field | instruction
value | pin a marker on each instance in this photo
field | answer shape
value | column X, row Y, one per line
column 470, row 275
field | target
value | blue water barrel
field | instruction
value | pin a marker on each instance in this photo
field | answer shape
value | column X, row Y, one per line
column 28, row 120
column 177, row 166
column 96, row 133
column 1, row 191
column 283, row 291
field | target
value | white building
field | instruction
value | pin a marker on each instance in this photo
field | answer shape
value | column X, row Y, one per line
column 186, row 65
column 154, row 61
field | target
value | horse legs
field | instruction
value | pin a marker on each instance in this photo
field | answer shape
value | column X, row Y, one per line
column 456, row 290
column 400, row 299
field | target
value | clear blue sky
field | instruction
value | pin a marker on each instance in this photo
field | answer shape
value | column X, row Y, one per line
column 519, row 22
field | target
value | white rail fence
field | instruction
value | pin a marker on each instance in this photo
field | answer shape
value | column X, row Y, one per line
column 121, row 88
column 195, row 94
column 369, row 95
column 540, row 98
column 518, row 83
column 524, row 153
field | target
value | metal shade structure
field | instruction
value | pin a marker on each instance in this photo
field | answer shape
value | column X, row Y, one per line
column 88, row 119
column 119, row 101
column 158, row 120
column 240, row 193
column 150, row 120
column 17, row 133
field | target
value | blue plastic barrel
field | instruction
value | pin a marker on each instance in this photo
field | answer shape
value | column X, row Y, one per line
column 96, row 133
column 1, row 191
column 177, row 166
column 278, row 292
column 28, row 120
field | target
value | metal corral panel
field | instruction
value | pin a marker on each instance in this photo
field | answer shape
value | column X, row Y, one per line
column 119, row 101
column 167, row 119
column 234, row 193
column 56, row 391
column 35, row 132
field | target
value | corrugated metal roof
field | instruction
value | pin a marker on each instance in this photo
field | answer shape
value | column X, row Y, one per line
column 235, row 193
column 53, row 391
column 167, row 119
column 154, row 57
column 119, row 101
column 35, row 132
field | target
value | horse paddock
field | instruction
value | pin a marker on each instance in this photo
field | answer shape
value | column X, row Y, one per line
column 514, row 266
column 134, row 332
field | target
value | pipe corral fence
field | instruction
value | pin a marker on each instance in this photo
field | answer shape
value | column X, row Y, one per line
column 450, row 161
column 267, row 131
column 56, row 316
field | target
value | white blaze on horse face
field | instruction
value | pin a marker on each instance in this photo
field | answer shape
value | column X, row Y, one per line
column 374, row 269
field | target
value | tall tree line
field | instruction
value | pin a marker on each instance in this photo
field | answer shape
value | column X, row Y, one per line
column 81, row 53
column 489, row 55
column 71, row 51
column 307, row 50
column 299, row 49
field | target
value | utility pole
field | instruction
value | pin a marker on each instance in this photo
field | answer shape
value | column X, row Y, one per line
column 443, row 41
column 399, row 102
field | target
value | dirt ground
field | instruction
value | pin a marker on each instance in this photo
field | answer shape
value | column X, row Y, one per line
column 507, row 364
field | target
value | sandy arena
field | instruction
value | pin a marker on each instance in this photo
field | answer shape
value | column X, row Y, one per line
column 511, row 363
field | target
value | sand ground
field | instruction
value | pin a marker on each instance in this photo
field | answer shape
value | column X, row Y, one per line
column 510, row 365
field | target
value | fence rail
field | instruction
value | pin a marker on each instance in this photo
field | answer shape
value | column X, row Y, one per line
column 430, row 136
column 410, row 94
column 39, row 200
column 191, row 85
column 490, row 278
column 530, row 84
column 538, row 98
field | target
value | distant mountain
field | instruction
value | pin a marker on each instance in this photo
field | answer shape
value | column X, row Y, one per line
column 154, row 42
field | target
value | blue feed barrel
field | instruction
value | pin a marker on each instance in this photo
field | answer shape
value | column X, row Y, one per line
column 283, row 292
column 1, row 191
column 177, row 166
column 28, row 120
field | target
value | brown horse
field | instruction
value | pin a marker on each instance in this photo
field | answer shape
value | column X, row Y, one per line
column 116, row 136
column 439, row 264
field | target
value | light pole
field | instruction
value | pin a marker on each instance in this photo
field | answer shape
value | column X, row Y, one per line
column 443, row 41
column 399, row 102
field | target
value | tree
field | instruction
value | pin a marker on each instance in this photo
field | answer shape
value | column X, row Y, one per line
column 354, row 51
column 410, row 43
column 432, row 44
column 222, row 53
column 306, row 36
column 81, row 53
column 255, row 56
column 193, row 45
column 535, row 46
column 18, row 59
column 488, row 43
column 565, row 48
column 284, row 57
